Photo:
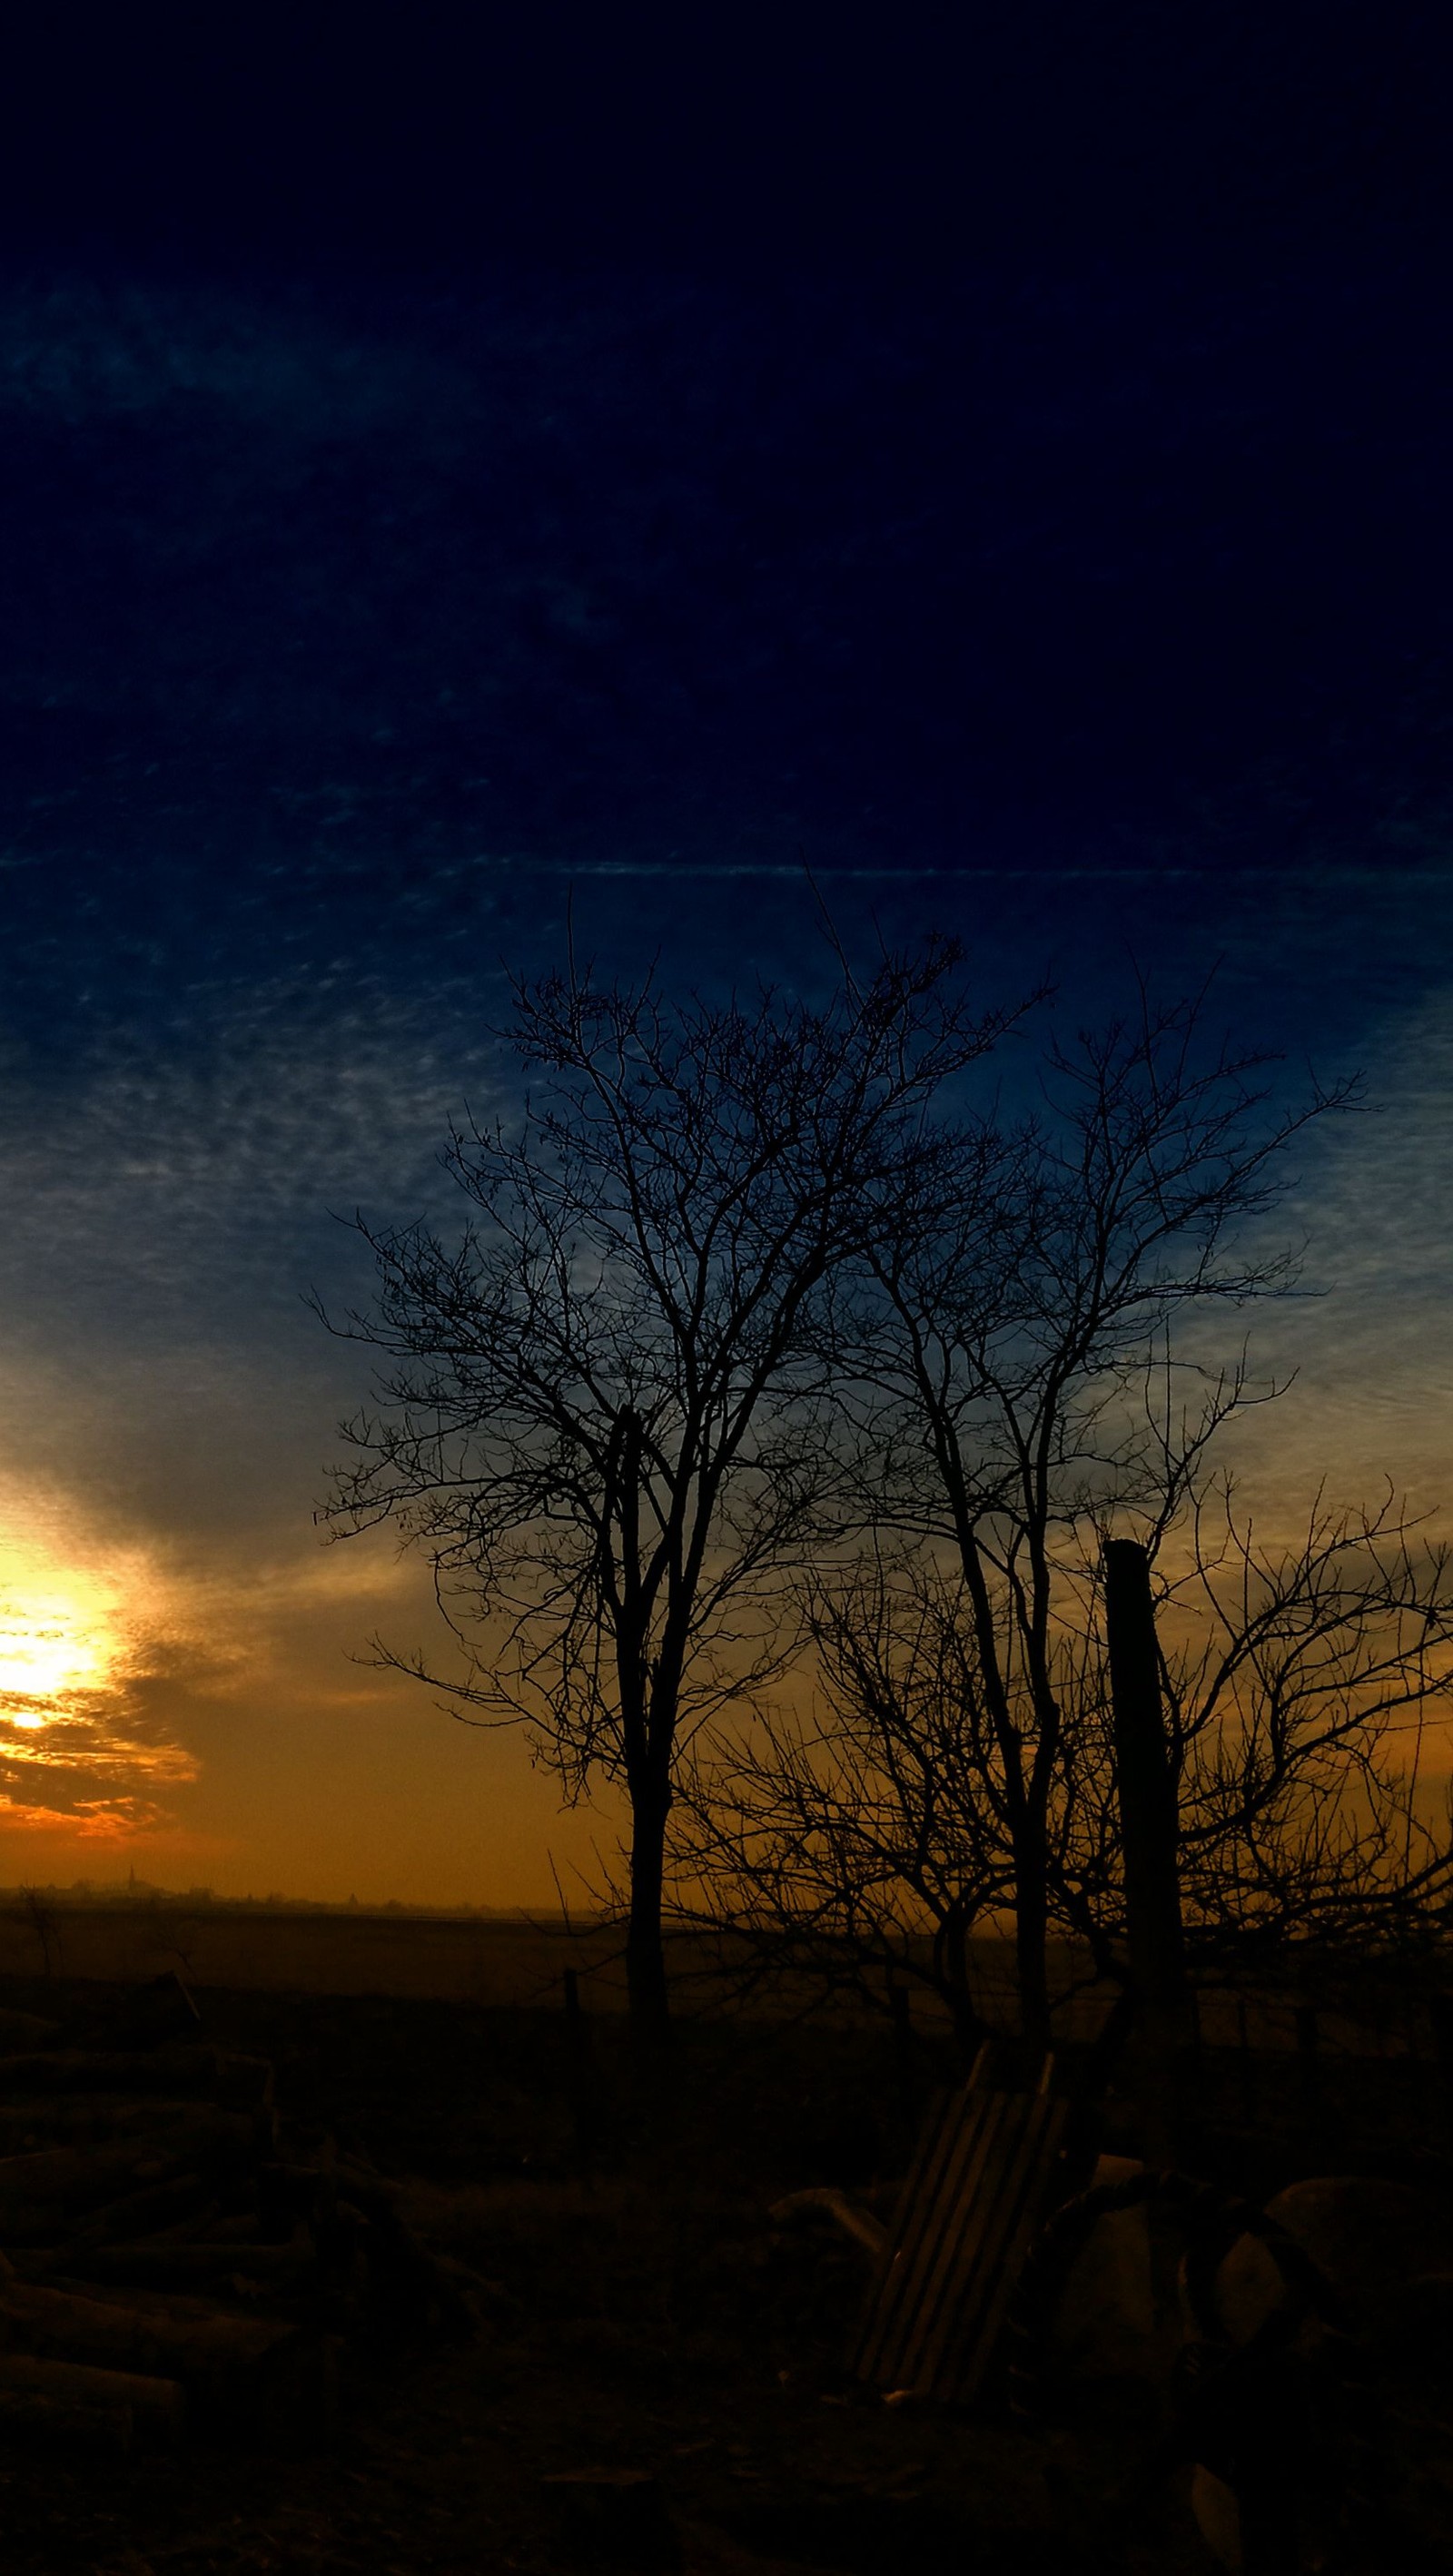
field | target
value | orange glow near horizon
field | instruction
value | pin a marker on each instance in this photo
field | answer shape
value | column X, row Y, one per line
column 207, row 1709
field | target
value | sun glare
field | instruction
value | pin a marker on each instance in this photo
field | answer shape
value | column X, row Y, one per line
column 81, row 1623
column 49, row 1647
column 63, row 1634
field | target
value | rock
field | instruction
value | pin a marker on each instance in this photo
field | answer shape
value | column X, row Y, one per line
column 1372, row 2242
column 160, row 2013
column 1118, row 2315
column 1385, row 2251
column 610, row 2514
column 1217, row 2517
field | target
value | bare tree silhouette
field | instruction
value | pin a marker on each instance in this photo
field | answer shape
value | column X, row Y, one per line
column 1009, row 1362
column 873, row 1837
column 605, row 1411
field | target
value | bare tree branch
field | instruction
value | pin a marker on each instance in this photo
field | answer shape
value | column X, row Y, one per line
column 1007, row 1355
column 604, row 1412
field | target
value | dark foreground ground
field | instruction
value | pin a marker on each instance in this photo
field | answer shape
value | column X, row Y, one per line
column 646, row 2315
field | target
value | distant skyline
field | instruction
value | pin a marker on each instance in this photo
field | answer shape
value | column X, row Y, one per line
column 131, row 1890
column 400, row 539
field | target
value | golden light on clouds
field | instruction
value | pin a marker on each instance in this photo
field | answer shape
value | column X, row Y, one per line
column 78, row 1625
column 50, row 1644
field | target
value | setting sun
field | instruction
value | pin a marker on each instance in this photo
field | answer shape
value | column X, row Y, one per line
column 65, row 1625
column 49, row 1646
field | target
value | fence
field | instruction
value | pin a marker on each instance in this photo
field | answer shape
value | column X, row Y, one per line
column 521, row 1962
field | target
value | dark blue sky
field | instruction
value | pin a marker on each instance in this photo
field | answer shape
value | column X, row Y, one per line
column 998, row 459
column 317, row 595
column 965, row 438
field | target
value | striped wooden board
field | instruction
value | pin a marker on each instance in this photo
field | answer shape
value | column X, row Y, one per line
column 966, row 2215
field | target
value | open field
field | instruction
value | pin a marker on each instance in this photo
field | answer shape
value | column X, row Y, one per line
column 465, row 1959
column 499, row 1962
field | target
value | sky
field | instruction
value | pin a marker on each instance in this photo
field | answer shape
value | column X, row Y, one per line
column 1000, row 466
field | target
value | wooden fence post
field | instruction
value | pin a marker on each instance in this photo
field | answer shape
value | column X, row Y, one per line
column 1149, row 1827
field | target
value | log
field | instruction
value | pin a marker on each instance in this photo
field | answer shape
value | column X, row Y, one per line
column 37, row 2190
column 865, row 2230
column 207, row 2074
column 23, row 2032
column 175, row 2307
column 185, row 2267
column 145, row 2212
column 189, row 2073
column 134, row 2333
column 85, row 2119
column 241, row 2227
column 34, row 2262
column 42, row 2262
column 26, row 2417
column 268, row 2380
column 158, row 2407
column 199, row 2227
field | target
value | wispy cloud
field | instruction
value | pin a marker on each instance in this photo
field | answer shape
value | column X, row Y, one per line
column 74, row 351
column 184, row 1159
column 1368, row 1343
column 168, row 1405
column 91, row 1820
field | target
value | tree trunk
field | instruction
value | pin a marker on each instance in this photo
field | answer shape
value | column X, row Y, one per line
column 1031, row 1929
column 952, row 1965
column 645, row 1952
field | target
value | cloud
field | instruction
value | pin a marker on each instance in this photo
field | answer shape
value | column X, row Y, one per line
column 1368, row 1346
column 168, row 1403
column 91, row 1820
column 75, row 351
column 81, row 1626
column 185, row 1161
column 68, row 1739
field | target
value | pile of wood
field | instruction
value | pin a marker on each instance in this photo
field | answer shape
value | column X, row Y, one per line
column 171, row 2258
